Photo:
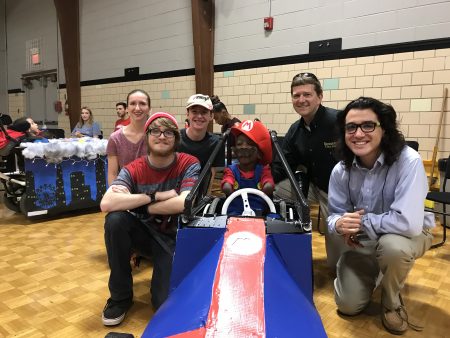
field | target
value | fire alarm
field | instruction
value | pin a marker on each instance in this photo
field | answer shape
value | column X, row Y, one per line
column 268, row 23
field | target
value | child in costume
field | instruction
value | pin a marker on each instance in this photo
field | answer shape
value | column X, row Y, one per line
column 253, row 149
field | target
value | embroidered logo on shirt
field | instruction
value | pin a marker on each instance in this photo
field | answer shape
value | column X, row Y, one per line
column 329, row 145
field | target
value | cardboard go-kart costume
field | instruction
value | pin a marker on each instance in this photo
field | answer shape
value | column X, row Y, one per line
column 241, row 276
column 256, row 178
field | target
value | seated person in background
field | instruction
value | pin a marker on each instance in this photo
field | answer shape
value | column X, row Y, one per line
column 254, row 152
column 23, row 129
column 86, row 125
column 122, row 114
column 31, row 130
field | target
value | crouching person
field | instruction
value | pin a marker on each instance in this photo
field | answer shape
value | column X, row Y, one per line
column 143, row 204
column 376, row 203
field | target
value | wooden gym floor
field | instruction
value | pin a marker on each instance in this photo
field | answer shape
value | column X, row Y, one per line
column 54, row 273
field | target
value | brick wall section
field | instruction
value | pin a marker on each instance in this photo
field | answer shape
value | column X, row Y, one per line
column 412, row 82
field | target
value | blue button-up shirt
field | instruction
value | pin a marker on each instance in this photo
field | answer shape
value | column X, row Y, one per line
column 87, row 129
column 391, row 196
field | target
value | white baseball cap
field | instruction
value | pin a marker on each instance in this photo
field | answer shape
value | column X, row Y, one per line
column 199, row 100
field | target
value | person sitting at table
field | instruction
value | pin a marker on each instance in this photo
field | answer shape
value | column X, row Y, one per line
column 86, row 125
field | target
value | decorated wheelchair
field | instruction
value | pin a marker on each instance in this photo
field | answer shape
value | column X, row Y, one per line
column 51, row 178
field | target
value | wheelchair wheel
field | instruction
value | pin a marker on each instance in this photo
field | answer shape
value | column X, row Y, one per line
column 22, row 204
column 11, row 202
column 14, row 189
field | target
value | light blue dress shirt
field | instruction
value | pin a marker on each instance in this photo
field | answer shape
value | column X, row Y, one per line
column 88, row 129
column 391, row 196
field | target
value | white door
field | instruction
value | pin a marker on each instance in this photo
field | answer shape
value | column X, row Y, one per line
column 41, row 93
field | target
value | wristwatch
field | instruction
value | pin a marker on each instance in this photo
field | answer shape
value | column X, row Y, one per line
column 152, row 196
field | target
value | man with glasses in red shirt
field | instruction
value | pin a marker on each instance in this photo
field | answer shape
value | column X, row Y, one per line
column 310, row 144
column 143, row 204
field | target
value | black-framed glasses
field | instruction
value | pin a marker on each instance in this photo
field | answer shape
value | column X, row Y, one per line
column 306, row 75
column 366, row 127
column 156, row 132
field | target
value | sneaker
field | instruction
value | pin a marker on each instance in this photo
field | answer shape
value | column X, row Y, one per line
column 115, row 311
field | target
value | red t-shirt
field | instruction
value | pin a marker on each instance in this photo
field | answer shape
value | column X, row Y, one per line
column 121, row 123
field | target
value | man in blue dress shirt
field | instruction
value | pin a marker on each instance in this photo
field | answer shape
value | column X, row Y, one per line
column 376, row 203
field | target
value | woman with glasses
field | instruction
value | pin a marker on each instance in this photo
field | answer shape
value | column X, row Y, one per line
column 128, row 143
column 310, row 144
column 376, row 197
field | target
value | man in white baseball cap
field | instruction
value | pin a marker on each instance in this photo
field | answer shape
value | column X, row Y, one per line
column 199, row 100
column 196, row 140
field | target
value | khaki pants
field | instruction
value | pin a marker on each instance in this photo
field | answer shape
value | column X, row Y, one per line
column 358, row 269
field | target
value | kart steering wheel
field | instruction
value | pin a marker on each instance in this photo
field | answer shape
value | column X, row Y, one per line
column 244, row 194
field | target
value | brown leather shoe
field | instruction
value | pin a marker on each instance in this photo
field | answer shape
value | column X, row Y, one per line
column 396, row 322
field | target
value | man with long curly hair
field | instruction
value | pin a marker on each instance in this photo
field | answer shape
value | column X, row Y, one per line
column 376, row 203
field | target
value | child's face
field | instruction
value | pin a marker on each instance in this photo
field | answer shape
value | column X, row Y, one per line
column 246, row 150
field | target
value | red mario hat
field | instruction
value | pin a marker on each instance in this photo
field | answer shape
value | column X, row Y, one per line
column 157, row 115
column 259, row 134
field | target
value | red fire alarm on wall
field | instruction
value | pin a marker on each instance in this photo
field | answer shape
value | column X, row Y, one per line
column 268, row 23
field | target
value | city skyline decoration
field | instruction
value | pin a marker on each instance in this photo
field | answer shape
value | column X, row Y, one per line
column 72, row 184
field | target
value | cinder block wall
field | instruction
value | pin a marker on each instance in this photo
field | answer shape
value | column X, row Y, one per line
column 412, row 82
